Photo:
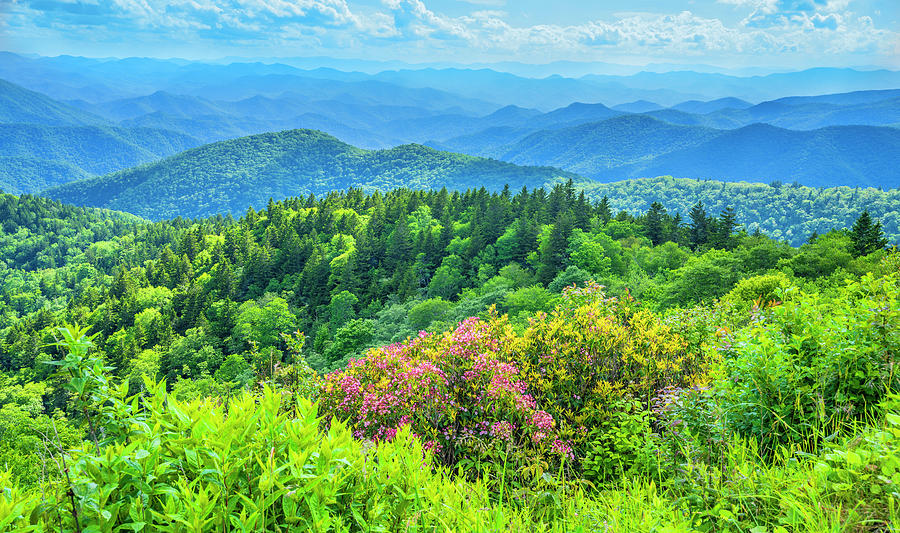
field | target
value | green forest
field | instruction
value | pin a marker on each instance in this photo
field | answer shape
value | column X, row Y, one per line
column 784, row 211
column 433, row 360
column 444, row 361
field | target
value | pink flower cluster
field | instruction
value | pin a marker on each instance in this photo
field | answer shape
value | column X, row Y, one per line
column 454, row 390
column 502, row 430
column 562, row 448
column 542, row 420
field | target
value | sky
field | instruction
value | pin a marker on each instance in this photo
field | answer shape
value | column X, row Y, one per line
column 726, row 33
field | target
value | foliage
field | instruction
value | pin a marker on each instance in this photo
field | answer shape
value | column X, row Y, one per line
column 809, row 366
column 481, row 390
column 784, row 212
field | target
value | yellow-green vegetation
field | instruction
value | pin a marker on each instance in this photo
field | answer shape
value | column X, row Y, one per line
column 598, row 416
column 427, row 360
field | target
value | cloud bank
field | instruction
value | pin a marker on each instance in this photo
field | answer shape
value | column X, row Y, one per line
column 405, row 29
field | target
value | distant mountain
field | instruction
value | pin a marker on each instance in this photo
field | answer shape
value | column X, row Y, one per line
column 34, row 157
column 20, row 175
column 642, row 146
column 863, row 156
column 807, row 114
column 596, row 148
column 702, row 108
column 638, row 106
column 755, row 88
column 100, row 80
column 158, row 102
column 229, row 176
column 370, row 92
column 871, row 108
column 844, row 99
column 20, row 105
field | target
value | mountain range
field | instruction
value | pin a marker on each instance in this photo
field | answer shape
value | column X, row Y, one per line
column 632, row 146
column 99, row 80
column 103, row 119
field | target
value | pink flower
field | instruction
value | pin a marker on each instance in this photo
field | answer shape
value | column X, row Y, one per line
column 502, row 430
column 542, row 420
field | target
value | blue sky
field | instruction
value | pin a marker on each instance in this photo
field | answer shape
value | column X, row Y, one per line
column 727, row 33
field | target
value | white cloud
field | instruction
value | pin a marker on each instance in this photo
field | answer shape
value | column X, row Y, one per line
column 766, row 27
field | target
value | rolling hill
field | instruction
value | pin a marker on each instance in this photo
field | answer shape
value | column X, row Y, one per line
column 44, row 142
column 594, row 148
column 229, row 176
column 862, row 156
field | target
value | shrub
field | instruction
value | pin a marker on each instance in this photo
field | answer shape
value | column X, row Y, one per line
column 807, row 367
column 482, row 394
column 759, row 291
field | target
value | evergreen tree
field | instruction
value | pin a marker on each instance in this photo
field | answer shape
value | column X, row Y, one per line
column 553, row 252
column 654, row 223
column 604, row 211
column 699, row 229
column 582, row 212
column 525, row 240
column 867, row 235
column 727, row 225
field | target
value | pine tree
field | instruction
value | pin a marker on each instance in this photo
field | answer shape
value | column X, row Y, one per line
column 699, row 230
column 654, row 223
column 725, row 228
column 867, row 235
column 604, row 211
column 553, row 252
column 582, row 212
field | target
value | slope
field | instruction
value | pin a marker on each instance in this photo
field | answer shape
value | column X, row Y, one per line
column 33, row 157
column 595, row 148
column 229, row 176
column 18, row 104
column 827, row 157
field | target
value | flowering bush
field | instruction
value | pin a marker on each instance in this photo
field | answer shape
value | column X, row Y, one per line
column 455, row 390
column 483, row 393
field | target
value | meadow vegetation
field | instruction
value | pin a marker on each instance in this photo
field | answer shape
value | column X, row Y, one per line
column 434, row 361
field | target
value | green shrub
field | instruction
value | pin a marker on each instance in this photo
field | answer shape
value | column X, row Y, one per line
column 809, row 366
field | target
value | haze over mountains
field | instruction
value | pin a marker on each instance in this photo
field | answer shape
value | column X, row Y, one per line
column 66, row 119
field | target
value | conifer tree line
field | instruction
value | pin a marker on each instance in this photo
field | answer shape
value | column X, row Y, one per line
column 205, row 302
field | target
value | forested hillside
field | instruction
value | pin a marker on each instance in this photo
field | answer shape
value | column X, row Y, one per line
column 19, row 105
column 345, row 266
column 782, row 211
column 231, row 175
column 45, row 143
column 35, row 157
column 236, row 309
